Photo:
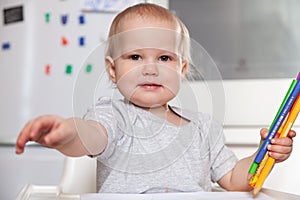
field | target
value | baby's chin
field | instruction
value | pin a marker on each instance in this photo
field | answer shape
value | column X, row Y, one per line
column 150, row 106
column 145, row 105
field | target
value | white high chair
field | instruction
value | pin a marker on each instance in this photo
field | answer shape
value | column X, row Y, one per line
column 79, row 175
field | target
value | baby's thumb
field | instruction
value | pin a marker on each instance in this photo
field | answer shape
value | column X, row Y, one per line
column 263, row 134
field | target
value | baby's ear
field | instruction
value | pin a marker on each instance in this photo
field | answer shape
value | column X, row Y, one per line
column 110, row 68
column 184, row 69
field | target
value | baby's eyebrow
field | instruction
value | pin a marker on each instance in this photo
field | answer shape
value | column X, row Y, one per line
column 130, row 52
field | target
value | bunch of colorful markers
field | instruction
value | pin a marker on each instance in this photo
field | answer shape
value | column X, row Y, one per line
column 280, row 127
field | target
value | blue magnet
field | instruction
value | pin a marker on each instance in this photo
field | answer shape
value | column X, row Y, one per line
column 81, row 19
column 6, row 46
column 64, row 19
column 81, row 41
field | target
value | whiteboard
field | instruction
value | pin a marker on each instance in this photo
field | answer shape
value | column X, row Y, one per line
column 47, row 51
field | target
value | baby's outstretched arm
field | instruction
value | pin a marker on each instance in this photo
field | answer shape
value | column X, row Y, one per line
column 237, row 179
column 72, row 137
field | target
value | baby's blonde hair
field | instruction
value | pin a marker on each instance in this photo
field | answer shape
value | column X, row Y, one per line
column 149, row 10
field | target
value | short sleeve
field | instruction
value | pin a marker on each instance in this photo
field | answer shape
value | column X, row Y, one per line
column 221, row 157
column 102, row 112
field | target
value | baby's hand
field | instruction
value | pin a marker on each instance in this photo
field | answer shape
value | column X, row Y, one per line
column 280, row 148
column 48, row 130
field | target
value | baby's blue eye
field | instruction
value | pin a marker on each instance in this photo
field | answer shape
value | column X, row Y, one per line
column 135, row 57
column 164, row 58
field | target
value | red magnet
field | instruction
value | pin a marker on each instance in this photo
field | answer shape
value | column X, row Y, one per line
column 47, row 69
column 64, row 41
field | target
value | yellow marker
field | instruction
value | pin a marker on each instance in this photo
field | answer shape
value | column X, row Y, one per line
column 259, row 170
column 286, row 129
column 264, row 173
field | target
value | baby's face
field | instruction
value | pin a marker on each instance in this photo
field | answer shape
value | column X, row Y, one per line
column 147, row 67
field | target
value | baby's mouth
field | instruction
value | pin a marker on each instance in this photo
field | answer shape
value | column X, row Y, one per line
column 150, row 86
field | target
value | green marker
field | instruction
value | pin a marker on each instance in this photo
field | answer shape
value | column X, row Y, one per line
column 253, row 168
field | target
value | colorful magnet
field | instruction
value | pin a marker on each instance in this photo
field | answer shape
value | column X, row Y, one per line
column 5, row 46
column 81, row 41
column 64, row 41
column 64, row 19
column 81, row 19
column 47, row 69
column 88, row 68
column 47, row 17
column 69, row 69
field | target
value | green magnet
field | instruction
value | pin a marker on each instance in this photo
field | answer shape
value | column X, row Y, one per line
column 69, row 69
column 47, row 17
column 88, row 68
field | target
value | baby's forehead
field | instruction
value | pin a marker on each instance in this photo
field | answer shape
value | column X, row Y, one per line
column 133, row 21
column 145, row 38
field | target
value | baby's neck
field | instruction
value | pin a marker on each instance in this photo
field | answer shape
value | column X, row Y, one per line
column 165, row 112
column 159, row 110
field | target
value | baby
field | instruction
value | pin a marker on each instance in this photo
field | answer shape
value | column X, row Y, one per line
column 142, row 144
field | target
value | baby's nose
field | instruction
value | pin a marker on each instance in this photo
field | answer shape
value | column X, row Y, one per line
column 150, row 70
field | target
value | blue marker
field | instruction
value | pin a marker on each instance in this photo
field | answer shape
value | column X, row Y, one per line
column 289, row 103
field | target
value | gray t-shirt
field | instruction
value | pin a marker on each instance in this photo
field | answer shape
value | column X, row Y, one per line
column 146, row 153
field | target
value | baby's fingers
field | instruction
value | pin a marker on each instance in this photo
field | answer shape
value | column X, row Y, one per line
column 286, row 141
column 279, row 157
column 35, row 130
column 280, row 148
column 23, row 138
column 292, row 134
column 264, row 133
column 40, row 127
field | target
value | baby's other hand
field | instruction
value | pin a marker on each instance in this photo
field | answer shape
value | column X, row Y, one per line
column 280, row 148
column 48, row 130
